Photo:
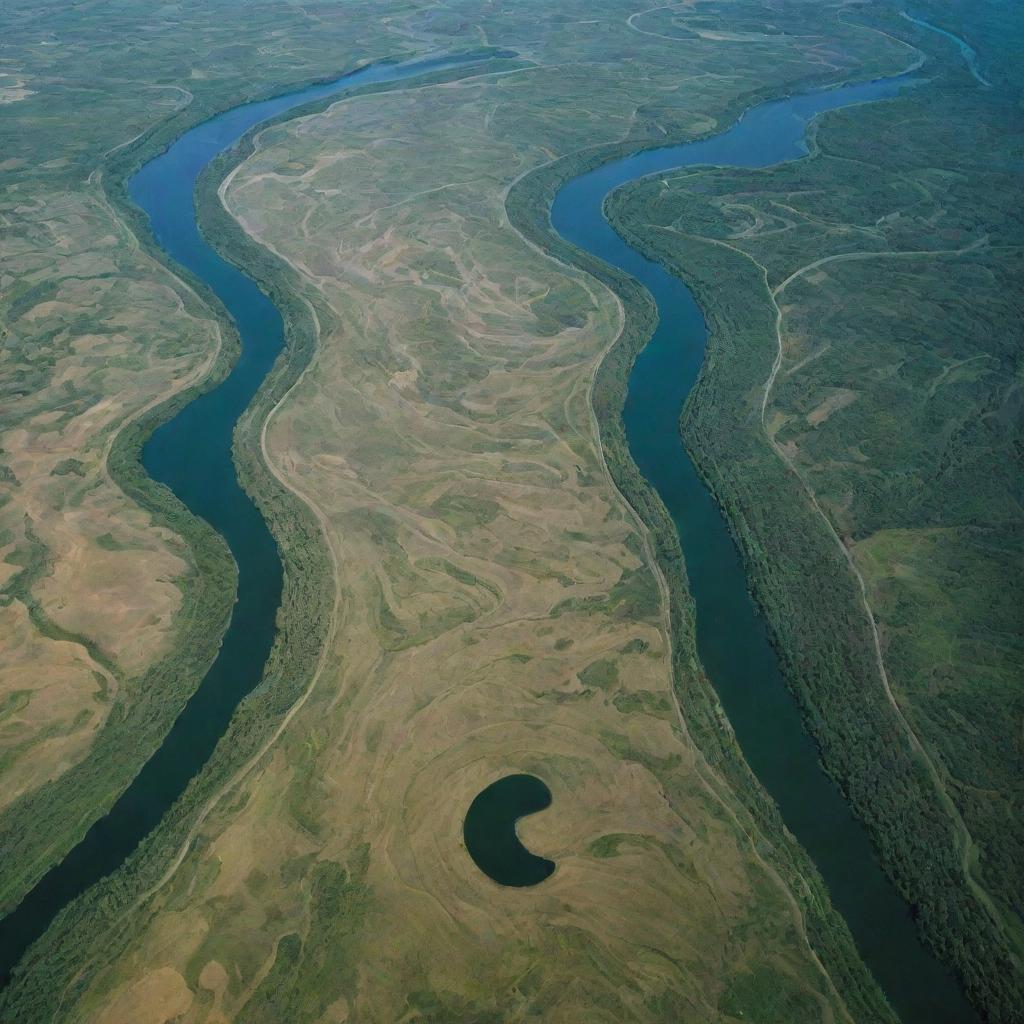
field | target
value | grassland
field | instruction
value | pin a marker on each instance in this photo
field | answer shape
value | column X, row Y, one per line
column 891, row 264
column 490, row 602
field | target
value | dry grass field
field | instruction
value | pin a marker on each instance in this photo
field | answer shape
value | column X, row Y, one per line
column 98, row 334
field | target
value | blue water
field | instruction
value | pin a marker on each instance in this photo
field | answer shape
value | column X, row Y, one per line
column 732, row 639
column 191, row 454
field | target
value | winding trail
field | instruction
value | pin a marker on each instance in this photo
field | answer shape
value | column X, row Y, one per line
column 630, row 22
column 775, row 292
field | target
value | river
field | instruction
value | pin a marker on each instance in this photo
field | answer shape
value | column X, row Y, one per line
column 192, row 455
column 732, row 638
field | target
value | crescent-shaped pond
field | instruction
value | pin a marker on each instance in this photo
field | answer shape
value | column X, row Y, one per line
column 490, row 830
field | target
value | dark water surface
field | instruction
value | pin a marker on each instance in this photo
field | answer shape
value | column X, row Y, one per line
column 490, row 830
column 191, row 454
column 732, row 639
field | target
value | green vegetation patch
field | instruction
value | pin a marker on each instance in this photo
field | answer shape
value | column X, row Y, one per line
column 309, row 975
column 602, row 674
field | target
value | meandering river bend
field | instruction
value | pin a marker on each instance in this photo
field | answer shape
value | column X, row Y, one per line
column 191, row 454
column 732, row 638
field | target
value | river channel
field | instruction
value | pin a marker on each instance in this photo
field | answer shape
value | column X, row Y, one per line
column 192, row 455
column 732, row 638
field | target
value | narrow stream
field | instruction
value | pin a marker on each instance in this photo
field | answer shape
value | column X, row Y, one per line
column 732, row 638
column 967, row 51
column 191, row 454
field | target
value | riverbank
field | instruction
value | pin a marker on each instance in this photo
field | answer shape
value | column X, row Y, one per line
column 528, row 204
column 731, row 638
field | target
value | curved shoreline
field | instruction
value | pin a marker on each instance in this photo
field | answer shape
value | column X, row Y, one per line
column 490, row 830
